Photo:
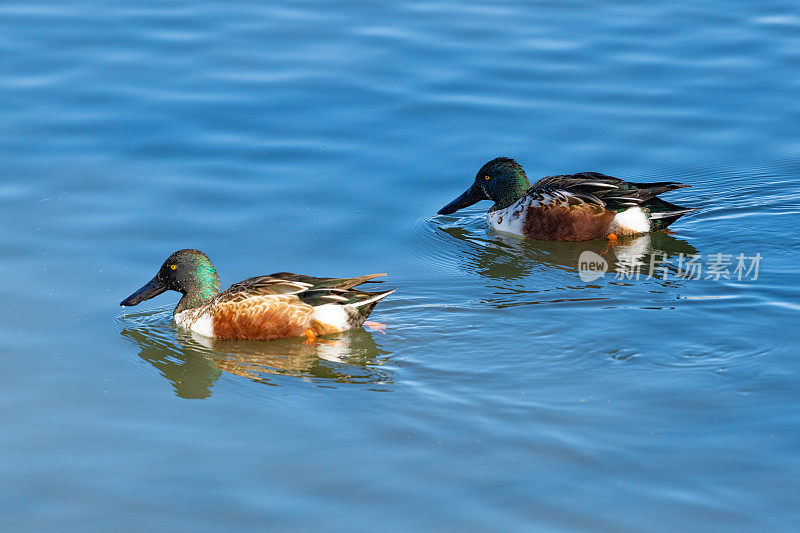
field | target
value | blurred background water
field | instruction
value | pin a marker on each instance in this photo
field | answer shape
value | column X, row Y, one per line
column 316, row 137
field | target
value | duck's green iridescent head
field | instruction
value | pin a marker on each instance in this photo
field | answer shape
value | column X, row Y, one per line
column 501, row 180
column 188, row 272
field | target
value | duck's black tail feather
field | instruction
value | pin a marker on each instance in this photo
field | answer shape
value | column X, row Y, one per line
column 630, row 194
column 358, row 304
column 364, row 307
column 651, row 190
column 663, row 213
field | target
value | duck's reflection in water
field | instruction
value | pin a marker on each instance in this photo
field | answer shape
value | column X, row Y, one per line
column 522, row 271
column 193, row 363
column 502, row 256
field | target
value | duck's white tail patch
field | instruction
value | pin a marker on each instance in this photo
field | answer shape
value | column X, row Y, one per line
column 332, row 315
column 632, row 220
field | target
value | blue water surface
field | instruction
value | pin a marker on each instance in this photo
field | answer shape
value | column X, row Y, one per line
column 505, row 393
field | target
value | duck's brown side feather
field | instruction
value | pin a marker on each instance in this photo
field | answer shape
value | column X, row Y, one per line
column 261, row 317
column 560, row 222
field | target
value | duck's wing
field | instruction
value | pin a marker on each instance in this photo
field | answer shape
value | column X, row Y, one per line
column 325, row 283
column 347, row 297
column 338, row 290
column 282, row 283
column 262, row 286
column 607, row 191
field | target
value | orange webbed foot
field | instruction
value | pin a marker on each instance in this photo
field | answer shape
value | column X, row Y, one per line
column 311, row 338
column 612, row 240
column 376, row 326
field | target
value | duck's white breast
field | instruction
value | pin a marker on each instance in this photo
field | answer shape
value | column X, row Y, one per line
column 197, row 321
column 512, row 218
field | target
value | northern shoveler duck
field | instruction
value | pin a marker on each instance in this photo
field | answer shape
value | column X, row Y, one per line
column 570, row 207
column 260, row 308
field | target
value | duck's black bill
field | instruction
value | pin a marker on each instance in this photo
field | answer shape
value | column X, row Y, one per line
column 153, row 288
column 473, row 195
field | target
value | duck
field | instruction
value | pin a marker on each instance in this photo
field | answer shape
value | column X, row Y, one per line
column 273, row 306
column 568, row 207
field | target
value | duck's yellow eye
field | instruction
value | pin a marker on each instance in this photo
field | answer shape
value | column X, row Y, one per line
column 173, row 267
column 487, row 178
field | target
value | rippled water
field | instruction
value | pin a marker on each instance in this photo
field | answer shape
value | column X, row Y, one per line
column 505, row 393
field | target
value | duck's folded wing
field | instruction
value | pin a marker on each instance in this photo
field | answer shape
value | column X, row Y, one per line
column 593, row 187
column 345, row 297
column 264, row 286
column 289, row 283
column 312, row 283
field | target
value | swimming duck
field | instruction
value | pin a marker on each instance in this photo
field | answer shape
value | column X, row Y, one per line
column 570, row 207
column 260, row 308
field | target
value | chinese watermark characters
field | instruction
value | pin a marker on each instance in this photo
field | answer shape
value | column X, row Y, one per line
column 658, row 265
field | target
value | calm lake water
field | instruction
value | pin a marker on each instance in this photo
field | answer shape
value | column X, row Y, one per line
column 506, row 393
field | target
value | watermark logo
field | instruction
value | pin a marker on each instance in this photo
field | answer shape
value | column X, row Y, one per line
column 591, row 266
column 658, row 265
